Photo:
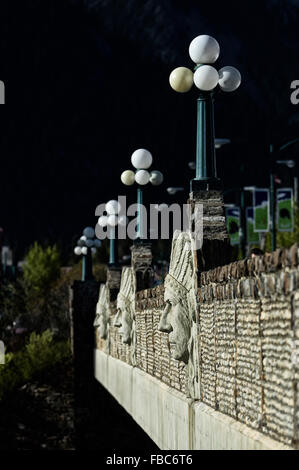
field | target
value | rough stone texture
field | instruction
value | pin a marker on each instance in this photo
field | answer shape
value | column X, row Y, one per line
column 248, row 344
column 215, row 249
column 248, row 324
column 141, row 262
column 152, row 345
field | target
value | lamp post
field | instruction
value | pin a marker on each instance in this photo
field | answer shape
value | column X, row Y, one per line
column 141, row 160
column 290, row 164
column 111, row 220
column 204, row 51
column 86, row 246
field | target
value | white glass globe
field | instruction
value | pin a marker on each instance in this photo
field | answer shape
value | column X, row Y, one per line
column 89, row 243
column 84, row 250
column 128, row 177
column 142, row 177
column 204, row 49
column 112, row 220
column 84, row 238
column 123, row 220
column 81, row 242
column 97, row 243
column 88, row 232
column 156, row 177
column 103, row 221
column 77, row 251
column 181, row 79
column 141, row 159
column 206, row 78
column 93, row 250
column 112, row 207
column 229, row 78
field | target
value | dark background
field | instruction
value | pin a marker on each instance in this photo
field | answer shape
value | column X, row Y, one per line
column 87, row 84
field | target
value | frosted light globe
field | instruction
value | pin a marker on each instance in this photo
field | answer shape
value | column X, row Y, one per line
column 103, row 221
column 123, row 220
column 77, row 251
column 156, row 178
column 83, row 238
column 229, row 78
column 128, row 177
column 142, row 177
column 97, row 243
column 89, row 243
column 112, row 207
column 112, row 220
column 81, row 242
column 204, row 49
column 84, row 250
column 141, row 159
column 88, row 232
column 181, row 79
column 206, row 78
column 93, row 250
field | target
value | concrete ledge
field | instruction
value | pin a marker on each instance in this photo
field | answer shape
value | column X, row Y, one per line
column 169, row 418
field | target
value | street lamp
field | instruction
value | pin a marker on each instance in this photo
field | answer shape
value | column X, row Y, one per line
column 86, row 246
column 290, row 164
column 111, row 221
column 218, row 144
column 204, row 51
column 141, row 160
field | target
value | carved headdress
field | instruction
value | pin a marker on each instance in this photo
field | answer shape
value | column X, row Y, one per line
column 126, row 295
column 102, row 305
column 180, row 282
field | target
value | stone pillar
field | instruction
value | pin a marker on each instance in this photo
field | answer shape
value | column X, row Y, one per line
column 141, row 262
column 113, row 281
column 84, row 297
column 216, row 249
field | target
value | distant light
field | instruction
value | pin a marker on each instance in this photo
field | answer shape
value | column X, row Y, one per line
column 204, row 49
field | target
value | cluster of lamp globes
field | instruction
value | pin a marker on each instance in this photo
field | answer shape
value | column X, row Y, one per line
column 204, row 50
column 87, row 241
column 141, row 160
column 112, row 219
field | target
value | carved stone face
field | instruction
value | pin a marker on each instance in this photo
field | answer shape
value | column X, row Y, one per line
column 126, row 327
column 124, row 321
column 174, row 321
column 101, row 322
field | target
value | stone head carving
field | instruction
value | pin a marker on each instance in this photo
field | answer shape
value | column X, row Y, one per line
column 125, row 305
column 102, row 313
column 180, row 287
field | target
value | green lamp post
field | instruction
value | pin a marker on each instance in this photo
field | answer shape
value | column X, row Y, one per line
column 204, row 50
column 289, row 163
column 86, row 246
column 111, row 221
column 141, row 160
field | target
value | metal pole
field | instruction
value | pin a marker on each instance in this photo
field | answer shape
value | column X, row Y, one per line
column 112, row 246
column 87, row 267
column 296, row 189
column 205, row 143
column 139, row 214
column 243, row 223
column 272, row 200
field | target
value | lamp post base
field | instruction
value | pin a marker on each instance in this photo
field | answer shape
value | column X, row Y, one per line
column 206, row 184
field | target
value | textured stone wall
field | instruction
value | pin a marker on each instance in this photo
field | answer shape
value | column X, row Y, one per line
column 248, row 337
column 248, row 342
column 152, row 346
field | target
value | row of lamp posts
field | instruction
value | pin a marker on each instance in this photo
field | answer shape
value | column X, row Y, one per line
column 204, row 51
